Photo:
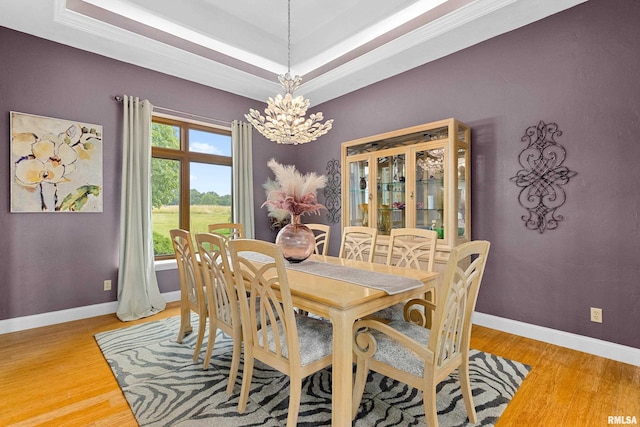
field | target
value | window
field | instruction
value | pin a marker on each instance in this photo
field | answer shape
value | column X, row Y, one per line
column 190, row 179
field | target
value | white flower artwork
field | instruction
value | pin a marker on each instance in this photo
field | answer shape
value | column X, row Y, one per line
column 56, row 165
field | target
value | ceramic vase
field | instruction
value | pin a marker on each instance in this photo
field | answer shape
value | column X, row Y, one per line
column 363, row 183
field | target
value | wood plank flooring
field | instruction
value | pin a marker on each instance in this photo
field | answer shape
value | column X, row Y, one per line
column 56, row 376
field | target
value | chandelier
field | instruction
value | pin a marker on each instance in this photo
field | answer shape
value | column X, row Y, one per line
column 284, row 121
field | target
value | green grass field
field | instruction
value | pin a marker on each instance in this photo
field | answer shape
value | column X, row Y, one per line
column 166, row 218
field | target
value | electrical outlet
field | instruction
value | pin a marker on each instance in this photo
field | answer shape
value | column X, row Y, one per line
column 596, row 315
column 107, row 285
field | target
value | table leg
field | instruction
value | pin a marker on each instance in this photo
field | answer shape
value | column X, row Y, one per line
column 342, row 369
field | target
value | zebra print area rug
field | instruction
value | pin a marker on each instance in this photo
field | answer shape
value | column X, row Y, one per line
column 164, row 387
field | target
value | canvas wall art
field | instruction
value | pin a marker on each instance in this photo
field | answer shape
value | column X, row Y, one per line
column 56, row 165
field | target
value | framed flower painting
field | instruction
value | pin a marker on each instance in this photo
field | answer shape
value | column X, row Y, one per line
column 56, row 165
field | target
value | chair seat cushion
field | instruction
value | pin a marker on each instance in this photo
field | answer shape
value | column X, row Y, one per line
column 395, row 312
column 390, row 352
column 314, row 335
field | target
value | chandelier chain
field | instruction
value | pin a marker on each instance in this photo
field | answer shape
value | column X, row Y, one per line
column 289, row 36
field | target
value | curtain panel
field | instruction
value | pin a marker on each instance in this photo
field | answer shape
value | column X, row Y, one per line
column 138, row 292
column 243, row 209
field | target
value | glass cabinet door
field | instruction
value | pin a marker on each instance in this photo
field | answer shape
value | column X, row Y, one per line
column 390, row 191
column 462, row 193
column 430, row 206
column 359, row 193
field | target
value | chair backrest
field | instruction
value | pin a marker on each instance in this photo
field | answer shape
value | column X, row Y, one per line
column 412, row 248
column 218, row 279
column 230, row 230
column 358, row 243
column 322, row 233
column 191, row 287
column 451, row 330
column 265, row 300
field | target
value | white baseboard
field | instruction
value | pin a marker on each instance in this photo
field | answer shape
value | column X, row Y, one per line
column 45, row 319
column 589, row 345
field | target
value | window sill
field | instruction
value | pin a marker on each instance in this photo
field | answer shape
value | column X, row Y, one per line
column 166, row 264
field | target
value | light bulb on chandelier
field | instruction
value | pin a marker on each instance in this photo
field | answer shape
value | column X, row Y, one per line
column 284, row 121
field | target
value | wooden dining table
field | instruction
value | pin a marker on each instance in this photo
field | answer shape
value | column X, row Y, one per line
column 343, row 302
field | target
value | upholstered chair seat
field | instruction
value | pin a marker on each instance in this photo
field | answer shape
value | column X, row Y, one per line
column 314, row 336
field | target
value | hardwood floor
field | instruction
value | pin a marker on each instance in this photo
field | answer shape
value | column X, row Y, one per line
column 56, row 375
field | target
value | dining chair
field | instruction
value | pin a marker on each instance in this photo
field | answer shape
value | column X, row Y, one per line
column 192, row 296
column 409, row 248
column 410, row 353
column 231, row 230
column 222, row 300
column 322, row 233
column 293, row 344
column 358, row 243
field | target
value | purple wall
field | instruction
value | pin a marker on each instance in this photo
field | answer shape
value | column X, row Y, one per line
column 577, row 68
column 580, row 69
column 53, row 261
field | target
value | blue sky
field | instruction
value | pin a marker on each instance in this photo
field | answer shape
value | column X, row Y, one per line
column 205, row 177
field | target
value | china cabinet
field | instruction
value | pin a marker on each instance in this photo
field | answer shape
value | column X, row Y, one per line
column 413, row 177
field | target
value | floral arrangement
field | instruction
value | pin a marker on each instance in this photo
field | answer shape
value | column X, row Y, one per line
column 291, row 193
column 278, row 218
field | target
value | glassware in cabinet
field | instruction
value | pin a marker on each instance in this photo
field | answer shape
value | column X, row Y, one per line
column 390, row 191
column 430, row 206
column 358, row 193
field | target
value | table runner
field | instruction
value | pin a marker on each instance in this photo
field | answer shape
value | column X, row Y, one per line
column 372, row 279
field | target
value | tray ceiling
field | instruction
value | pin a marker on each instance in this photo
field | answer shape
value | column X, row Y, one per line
column 240, row 46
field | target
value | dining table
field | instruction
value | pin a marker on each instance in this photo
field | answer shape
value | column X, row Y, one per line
column 332, row 287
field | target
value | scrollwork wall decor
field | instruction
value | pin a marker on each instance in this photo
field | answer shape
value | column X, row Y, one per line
column 542, row 177
column 332, row 191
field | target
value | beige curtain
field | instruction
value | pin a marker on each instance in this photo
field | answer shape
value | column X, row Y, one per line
column 138, row 292
column 243, row 176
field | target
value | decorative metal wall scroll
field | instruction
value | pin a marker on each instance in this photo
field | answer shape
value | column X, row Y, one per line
column 542, row 177
column 332, row 191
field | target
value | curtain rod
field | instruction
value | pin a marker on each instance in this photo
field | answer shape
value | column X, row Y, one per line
column 120, row 99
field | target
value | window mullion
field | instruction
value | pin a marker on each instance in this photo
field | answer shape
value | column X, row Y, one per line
column 185, row 196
